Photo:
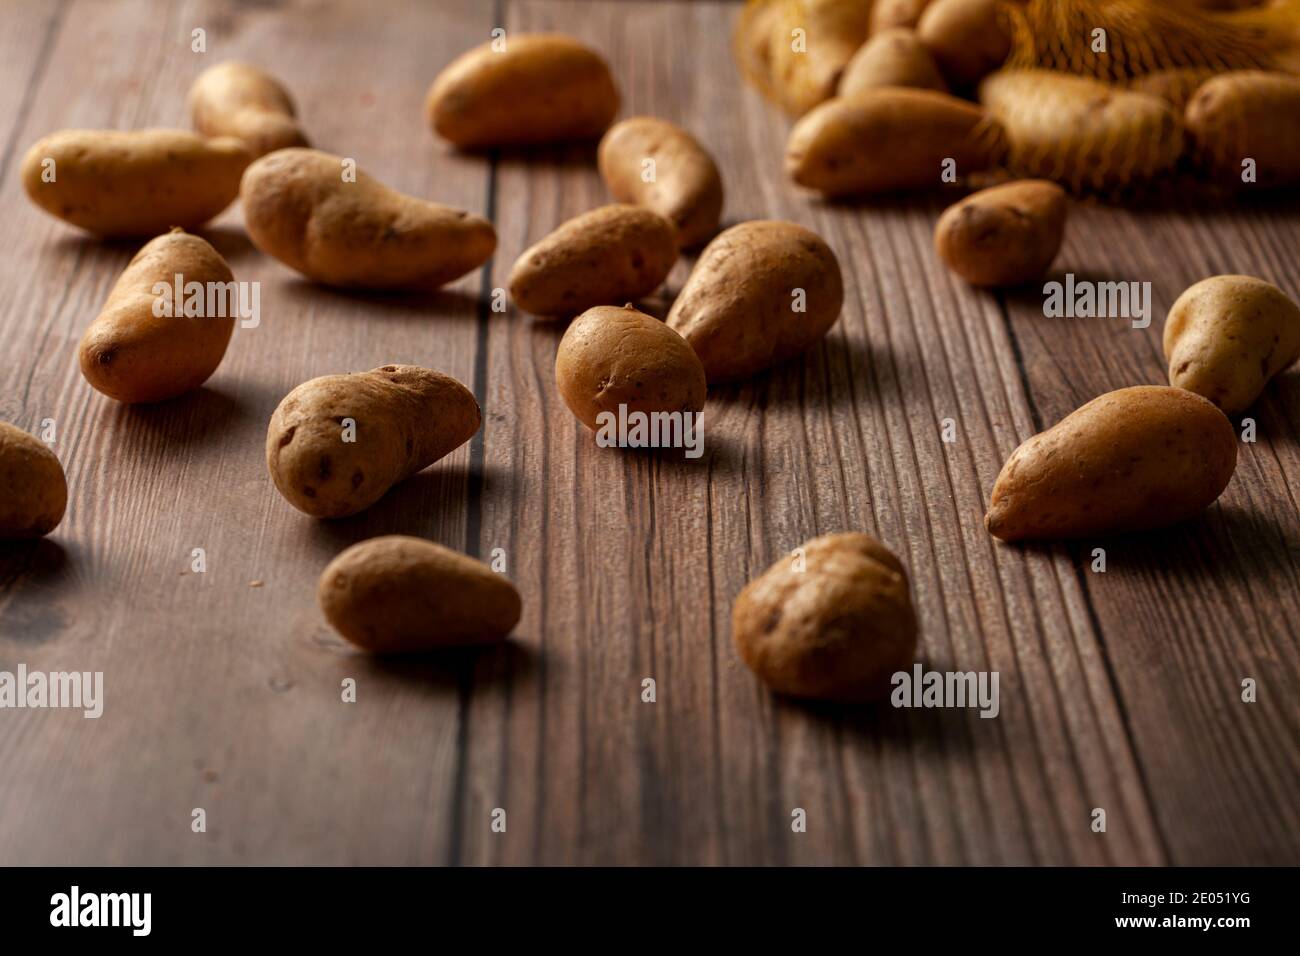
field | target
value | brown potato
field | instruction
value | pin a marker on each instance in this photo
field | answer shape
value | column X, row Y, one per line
column 834, row 622
column 400, row 419
column 1227, row 336
column 1131, row 460
column 138, row 183
column 967, row 38
column 33, row 491
column 752, row 40
column 812, row 42
column 356, row 232
column 740, row 307
column 240, row 100
column 540, row 88
column 887, row 139
column 892, row 57
column 1174, row 86
column 611, row 357
column 1005, row 235
column 399, row 594
column 609, row 256
column 887, row 14
column 1249, row 114
column 685, row 186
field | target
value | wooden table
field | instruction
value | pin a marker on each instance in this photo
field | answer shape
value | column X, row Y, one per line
column 1120, row 690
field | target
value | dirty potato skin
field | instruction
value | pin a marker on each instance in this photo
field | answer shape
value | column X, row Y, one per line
column 967, row 38
column 399, row 594
column 1248, row 113
column 119, row 184
column 687, row 188
column 611, row 356
column 1131, row 460
column 544, row 88
column 837, row 630
column 33, row 490
column 737, row 307
column 610, row 256
column 240, row 100
column 1227, row 336
column 892, row 57
column 1005, row 235
column 362, row 234
column 406, row 418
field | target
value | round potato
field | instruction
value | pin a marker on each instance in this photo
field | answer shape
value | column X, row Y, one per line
column 240, row 100
column 812, row 42
column 33, row 491
column 892, row 57
column 967, row 38
column 1249, row 115
column 1005, row 235
column 887, row 14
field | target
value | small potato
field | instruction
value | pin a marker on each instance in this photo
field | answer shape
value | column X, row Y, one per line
column 812, row 43
column 398, row 594
column 887, row 14
column 140, row 183
column 761, row 293
column 1227, row 336
column 538, row 88
column 240, row 100
column 336, row 444
column 146, row 345
column 1005, row 235
column 356, row 233
column 609, row 256
column 1131, row 460
column 887, row 139
column 685, row 186
column 967, row 38
column 611, row 357
column 834, row 623
column 891, row 58
column 752, row 42
column 1174, row 86
column 1250, row 114
column 33, row 491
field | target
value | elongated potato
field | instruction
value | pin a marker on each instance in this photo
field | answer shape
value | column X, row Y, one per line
column 139, row 183
column 336, row 444
column 967, row 38
column 1005, row 235
column 610, row 256
column 146, row 345
column 812, row 43
column 656, row 164
column 538, row 88
column 1248, row 115
column 33, row 491
column 356, row 232
column 398, row 594
column 1227, row 336
column 240, row 100
column 1131, row 460
column 891, row 58
column 887, row 139
column 761, row 293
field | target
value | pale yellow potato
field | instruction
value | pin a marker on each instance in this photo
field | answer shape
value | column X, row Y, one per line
column 887, row 14
column 1248, row 115
column 893, row 57
column 243, row 101
column 33, row 490
column 1005, row 235
column 812, row 42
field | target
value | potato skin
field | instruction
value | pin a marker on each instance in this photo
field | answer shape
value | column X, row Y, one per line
column 887, row 139
column 610, row 256
column 406, row 418
column 544, row 88
column 1248, row 114
column 893, row 57
column 687, row 190
column 359, row 234
column 397, row 594
column 134, row 356
column 837, row 630
column 1130, row 460
column 967, row 38
column 33, row 490
column 141, row 183
column 1227, row 336
column 887, row 14
column 736, row 308
column 240, row 100
column 833, row 30
column 611, row 356
column 1005, row 235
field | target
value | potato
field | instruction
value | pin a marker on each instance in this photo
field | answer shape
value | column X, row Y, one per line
column 1174, row 86
column 887, row 139
column 967, row 38
column 1131, row 460
column 240, row 100
column 33, row 491
column 124, row 184
column 1250, row 114
column 1227, row 336
column 611, row 357
column 887, row 14
column 143, row 346
column 891, row 58
column 752, row 42
column 762, row 292
column 336, row 444
column 396, row 593
column 609, row 256
column 357, row 232
column 833, row 623
column 812, row 43
column 541, row 88
column 1005, row 235
column 684, row 184
column 1079, row 132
